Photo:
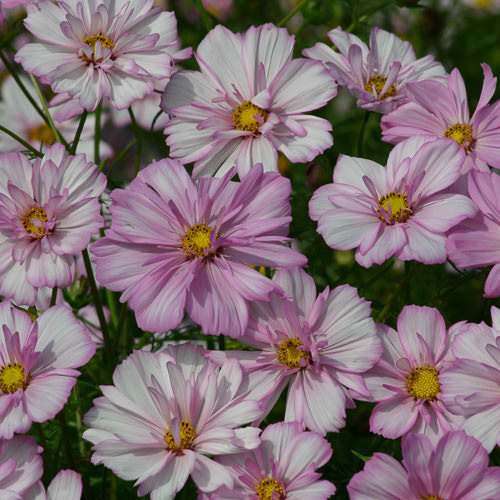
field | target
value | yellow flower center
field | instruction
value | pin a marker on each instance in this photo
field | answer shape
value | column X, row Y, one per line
column 461, row 133
column 482, row 4
column 378, row 82
column 423, row 383
column 12, row 378
column 35, row 214
column 289, row 355
column 395, row 206
column 188, row 435
column 249, row 117
column 267, row 487
column 432, row 497
column 92, row 40
column 42, row 133
column 197, row 240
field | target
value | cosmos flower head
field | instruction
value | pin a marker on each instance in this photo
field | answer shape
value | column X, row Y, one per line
column 406, row 382
column 440, row 109
column 472, row 385
column 166, row 413
column 455, row 468
column 49, row 210
column 401, row 210
column 283, row 466
column 176, row 245
column 17, row 112
column 244, row 108
column 318, row 346
column 21, row 467
column 100, row 48
column 476, row 242
column 377, row 75
column 38, row 361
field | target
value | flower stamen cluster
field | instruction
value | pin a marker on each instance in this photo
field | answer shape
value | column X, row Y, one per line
column 197, row 240
column 393, row 207
column 249, row 117
column 12, row 377
column 267, row 489
column 34, row 221
column 423, row 383
column 187, row 434
column 376, row 84
column 462, row 134
column 289, row 354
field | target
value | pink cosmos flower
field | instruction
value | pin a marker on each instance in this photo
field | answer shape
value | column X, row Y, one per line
column 67, row 485
column 476, row 242
column 37, row 364
column 406, row 382
column 100, row 48
column 166, row 412
column 17, row 112
column 174, row 244
column 48, row 212
column 439, row 109
column 317, row 346
column 454, row 469
column 471, row 387
column 243, row 108
column 21, row 466
column 282, row 467
column 376, row 76
column 400, row 210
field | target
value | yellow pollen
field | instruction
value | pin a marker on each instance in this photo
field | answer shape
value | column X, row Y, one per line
column 289, row 355
column 432, row 497
column 244, row 117
column 461, row 133
column 267, row 487
column 423, row 383
column 378, row 82
column 38, row 214
column 197, row 240
column 398, row 204
column 92, row 40
column 188, row 435
column 42, row 133
column 12, row 378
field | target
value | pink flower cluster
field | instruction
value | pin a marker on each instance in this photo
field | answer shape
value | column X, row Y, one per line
column 212, row 247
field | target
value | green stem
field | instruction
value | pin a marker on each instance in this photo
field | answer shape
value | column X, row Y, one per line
column 97, row 134
column 29, row 147
column 66, row 439
column 22, row 87
column 222, row 342
column 98, row 307
column 57, row 135
column 120, row 326
column 138, row 140
column 110, row 299
column 79, row 130
column 360, row 145
column 292, row 13
column 113, row 494
column 53, row 297
column 366, row 15
column 204, row 15
column 122, row 153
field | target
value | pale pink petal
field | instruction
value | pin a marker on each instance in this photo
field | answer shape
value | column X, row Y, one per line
column 383, row 478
